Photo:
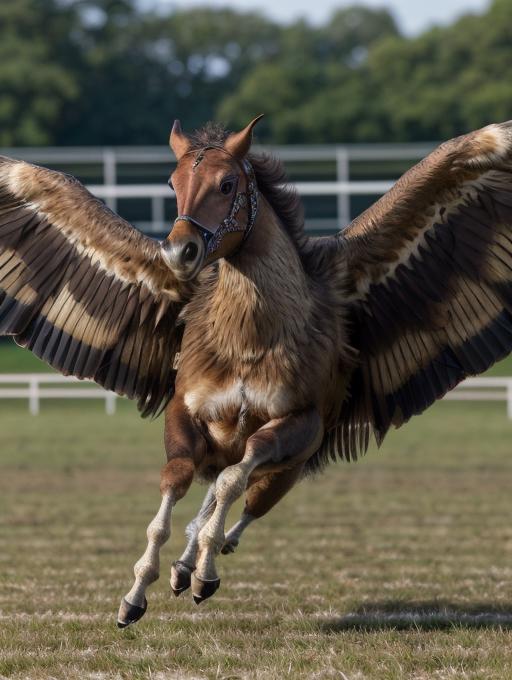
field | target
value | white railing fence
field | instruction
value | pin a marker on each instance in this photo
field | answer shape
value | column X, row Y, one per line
column 484, row 389
column 337, row 160
column 38, row 386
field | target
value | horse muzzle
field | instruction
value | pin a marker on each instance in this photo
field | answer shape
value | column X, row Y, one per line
column 184, row 252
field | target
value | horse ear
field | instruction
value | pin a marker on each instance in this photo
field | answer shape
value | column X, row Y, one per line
column 239, row 143
column 178, row 141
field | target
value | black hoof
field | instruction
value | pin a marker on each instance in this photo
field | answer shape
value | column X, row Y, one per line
column 130, row 613
column 228, row 548
column 202, row 590
column 180, row 577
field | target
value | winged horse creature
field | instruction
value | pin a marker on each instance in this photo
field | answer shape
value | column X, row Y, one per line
column 271, row 352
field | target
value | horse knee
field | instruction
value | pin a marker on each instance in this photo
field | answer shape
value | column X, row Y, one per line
column 294, row 440
column 265, row 444
column 230, row 484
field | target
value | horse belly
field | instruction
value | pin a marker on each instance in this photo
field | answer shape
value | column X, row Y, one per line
column 229, row 416
column 209, row 402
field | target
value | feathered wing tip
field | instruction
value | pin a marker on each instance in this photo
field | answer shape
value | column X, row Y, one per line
column 83, row 289
column 429, row 268
column 348, row 440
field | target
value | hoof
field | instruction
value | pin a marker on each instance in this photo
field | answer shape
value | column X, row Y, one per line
column 202, row 590
column 229, row 547
column 180, row 577
column 130, row 613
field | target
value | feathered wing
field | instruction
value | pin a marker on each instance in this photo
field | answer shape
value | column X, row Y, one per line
column 429, row 270
column 83, row 289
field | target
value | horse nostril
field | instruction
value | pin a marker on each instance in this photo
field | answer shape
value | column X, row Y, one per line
column 189, row 253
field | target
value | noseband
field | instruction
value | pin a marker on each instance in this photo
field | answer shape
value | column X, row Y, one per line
column 212, row 237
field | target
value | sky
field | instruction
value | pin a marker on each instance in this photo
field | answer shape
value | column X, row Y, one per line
column 413, row 16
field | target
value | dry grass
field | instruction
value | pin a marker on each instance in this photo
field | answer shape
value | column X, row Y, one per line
column 397, row 567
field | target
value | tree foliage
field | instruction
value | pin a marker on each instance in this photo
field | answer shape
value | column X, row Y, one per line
column 35, row 81
column 109, row 72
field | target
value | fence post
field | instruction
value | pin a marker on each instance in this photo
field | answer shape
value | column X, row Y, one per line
column 157, row 214
column 33, row 398
column 509, row 399
column 110, row 175
column 343, row 175
column 110, row 403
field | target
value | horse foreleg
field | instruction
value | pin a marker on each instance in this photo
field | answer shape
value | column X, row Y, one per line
column 292, row 440
column 181, row 570
column 185, row 447
column 260, row 497
column 176, row 478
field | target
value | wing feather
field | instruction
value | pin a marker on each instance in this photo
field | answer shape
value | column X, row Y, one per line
column 429, row 271
column 83, row 289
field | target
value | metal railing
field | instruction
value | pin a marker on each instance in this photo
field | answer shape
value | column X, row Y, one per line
column 111, row 163
column 38, row 386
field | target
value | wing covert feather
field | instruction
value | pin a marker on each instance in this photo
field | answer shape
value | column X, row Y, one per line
column 83, row 289
column 429, row 271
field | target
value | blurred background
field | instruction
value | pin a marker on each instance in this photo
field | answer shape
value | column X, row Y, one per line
column 117, row 72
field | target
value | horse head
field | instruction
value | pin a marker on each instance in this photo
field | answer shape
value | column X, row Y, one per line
column 217, row 200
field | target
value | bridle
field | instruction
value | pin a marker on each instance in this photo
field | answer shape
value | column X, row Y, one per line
column 212, row 237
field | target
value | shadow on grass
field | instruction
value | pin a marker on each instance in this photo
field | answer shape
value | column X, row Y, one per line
column 436, row 615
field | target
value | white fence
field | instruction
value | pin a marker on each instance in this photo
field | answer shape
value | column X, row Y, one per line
column 484, row 389
column 112, row 162
column 37, row 386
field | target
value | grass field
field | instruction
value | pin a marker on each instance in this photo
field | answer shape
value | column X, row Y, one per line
column 14, row 359
column 399, row 566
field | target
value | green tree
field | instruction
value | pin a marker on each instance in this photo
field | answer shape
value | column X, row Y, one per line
column 109, row 72
column 378, row 86
column 35, row 85
column 140, row 71
column 309, row 61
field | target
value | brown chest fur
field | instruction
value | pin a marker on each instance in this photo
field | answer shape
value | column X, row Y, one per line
column 262, row 340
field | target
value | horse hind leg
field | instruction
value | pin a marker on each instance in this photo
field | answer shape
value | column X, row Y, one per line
column 181, row 569
column 292, row 439
column 261, row 496
column 234, row 534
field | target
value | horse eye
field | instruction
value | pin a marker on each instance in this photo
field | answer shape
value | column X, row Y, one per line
column 227, row 187
column 169, row 182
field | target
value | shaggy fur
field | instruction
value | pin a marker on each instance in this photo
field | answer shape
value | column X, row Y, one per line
column 292, row 274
